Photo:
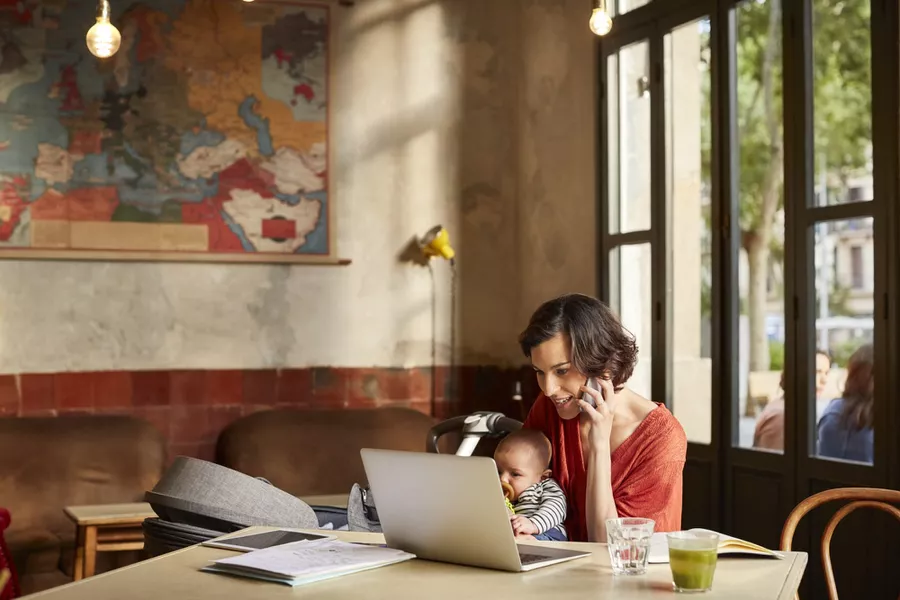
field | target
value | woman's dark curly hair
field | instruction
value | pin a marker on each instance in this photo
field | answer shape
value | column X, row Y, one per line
column 599, row 342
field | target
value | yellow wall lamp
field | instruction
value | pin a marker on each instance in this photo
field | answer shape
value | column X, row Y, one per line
column 436, row 242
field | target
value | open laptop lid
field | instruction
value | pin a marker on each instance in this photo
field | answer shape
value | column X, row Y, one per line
column 442, row 507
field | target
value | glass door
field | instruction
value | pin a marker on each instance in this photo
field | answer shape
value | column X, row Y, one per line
column 657, row 225
column 627, row 223
column 750, row 231
column 759, row 464
column 843, row 388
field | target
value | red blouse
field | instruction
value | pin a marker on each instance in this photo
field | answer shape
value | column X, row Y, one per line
column 646, row 467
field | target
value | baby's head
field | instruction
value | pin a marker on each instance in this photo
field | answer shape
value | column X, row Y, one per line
column 523, row 459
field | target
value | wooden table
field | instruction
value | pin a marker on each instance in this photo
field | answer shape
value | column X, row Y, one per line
column 106, row 528
column 117, row 527
column 178, row 575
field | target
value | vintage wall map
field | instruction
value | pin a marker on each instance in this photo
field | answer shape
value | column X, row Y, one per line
column 204, row 137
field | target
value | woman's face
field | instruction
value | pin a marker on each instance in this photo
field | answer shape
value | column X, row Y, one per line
column 823, row 367
column 559, row 380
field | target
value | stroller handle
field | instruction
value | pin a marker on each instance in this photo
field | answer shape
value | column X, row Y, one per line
column 435, row 433
column 476, row 426
column 507, row 425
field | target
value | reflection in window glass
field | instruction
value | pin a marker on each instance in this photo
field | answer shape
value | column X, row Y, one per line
column 844, row 375
column 630, row 297
column 842, row 76
column 688, row 181
column 761, row 210
column 628, row 132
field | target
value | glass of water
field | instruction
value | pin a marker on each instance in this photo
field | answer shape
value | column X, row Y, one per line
column 628, row 540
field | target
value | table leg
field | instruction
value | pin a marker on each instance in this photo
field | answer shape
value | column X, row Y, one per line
column 79, row 553
column 90, row 550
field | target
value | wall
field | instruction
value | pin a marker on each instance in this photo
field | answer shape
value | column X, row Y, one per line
column 527, row 160
column 477, row 115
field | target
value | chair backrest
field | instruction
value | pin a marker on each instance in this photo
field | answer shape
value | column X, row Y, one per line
column 312, row 452
column 48, row 463
column 856, row 498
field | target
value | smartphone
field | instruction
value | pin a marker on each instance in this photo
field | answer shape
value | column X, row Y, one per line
column 267, row 539
column 591, row 383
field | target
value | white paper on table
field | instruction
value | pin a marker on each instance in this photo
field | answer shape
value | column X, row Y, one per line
column 312, row 559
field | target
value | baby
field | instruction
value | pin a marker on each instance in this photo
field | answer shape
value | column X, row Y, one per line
column 523, row 460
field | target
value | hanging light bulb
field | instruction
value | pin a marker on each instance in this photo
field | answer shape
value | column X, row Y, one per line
column 103, row 39
column 601, row 22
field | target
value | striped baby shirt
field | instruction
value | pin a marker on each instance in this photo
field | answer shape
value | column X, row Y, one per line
column 545, row 504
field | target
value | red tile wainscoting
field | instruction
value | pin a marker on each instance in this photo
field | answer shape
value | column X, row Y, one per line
column 192, row 407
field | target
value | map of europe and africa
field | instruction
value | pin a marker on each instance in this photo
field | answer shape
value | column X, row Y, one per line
column 205, row 133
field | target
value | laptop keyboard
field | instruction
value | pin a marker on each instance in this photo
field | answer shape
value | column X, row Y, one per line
column 528, row 559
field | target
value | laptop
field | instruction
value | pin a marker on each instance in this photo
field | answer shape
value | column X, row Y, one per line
column 450, row 509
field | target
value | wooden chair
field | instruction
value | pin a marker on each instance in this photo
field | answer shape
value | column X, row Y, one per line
column 857, row 498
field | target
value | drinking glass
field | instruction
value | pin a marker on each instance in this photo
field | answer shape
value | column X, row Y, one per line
column 692, row 557
column 628, row 540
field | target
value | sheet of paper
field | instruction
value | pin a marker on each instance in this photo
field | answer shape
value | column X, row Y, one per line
column 295, row 581
column 302, row 559
column 659, row 549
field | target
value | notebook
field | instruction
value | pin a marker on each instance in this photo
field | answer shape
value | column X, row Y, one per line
column 659, row 547
column 300, row 563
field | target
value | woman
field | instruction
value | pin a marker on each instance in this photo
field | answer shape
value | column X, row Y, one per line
column 624, row 458
column 769, row 432
column 845, row 429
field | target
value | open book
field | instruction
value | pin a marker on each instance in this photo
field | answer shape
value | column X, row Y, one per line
column 303, row 562
column 659, row 547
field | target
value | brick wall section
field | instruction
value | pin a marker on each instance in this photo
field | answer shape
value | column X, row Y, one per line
column 192, row 407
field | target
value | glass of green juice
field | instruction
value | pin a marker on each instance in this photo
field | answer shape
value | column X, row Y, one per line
column 692, row 557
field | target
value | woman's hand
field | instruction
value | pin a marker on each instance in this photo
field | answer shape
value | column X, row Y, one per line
column 600, row 418
column 599, row 499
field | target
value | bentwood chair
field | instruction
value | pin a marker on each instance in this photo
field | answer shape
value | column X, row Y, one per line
column 856, row 498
